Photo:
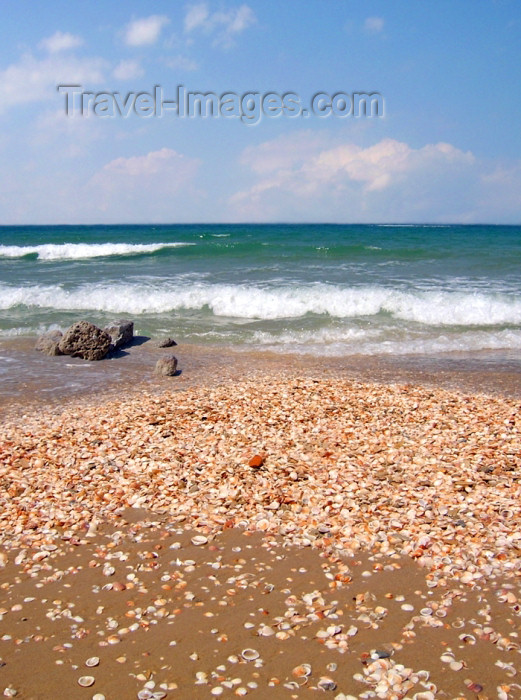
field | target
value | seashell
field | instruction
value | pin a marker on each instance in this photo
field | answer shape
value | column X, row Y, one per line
column 109, row 571
column 456, row 665
column 468, row 638
column 302, row 671
column 199, row 540
column 332, row 667
column 426, row 611
column 93, row 661
column 145, row 694
column 447, row 657
column 265, row 631
column 292, row 685
column 283, row 635
column 380, row 654
column 250, row 654
column 424, row 695
column 475, row 687
column 86, row 681
column 326, row 683
column 98, row 696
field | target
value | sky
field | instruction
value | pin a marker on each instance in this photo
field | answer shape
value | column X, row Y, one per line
column 445, row 147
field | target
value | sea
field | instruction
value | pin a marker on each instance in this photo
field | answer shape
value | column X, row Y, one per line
column 325, row 290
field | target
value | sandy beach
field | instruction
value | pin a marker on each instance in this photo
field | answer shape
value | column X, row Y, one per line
column 261, row 528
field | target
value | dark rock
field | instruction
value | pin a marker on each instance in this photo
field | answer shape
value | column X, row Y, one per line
column 48, row 343
column 85, row 340
column 166, row 366
column 165, row 343
column 121, row 333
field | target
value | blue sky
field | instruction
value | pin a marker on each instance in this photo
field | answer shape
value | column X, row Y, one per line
column 448, row 148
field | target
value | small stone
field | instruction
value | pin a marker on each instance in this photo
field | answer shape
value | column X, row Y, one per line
column 165, row 343
column 166, row 366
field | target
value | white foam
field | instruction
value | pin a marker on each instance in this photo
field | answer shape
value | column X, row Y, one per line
column 82, row 251
column 427, row 307
column 341, row 343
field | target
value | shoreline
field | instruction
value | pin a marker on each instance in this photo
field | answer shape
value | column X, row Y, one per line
column 32, row 379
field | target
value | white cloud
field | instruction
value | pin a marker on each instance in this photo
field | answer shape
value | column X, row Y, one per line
column 281, row 153
column 153, row 163
column 32, row 80
column 128, row 70
column 60, row 41
column 224, row 25
column 145, row 31
column 196, row 16
column 302, row 178
column 374, row 25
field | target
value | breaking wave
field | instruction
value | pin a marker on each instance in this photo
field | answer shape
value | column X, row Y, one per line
column 242, row 301
column 83, row 251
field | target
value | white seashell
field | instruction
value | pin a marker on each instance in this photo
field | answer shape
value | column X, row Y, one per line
column 145, row 694
column 93, row 661
column 423, row 675
column 266, row 631
column 86, row 681
column 109, row 571
column 426, row 611
column 250, row 654
column 98, row 696
column 199, row 540
column 326, row 683
column 456, row 665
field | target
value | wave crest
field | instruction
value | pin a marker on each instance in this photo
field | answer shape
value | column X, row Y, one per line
column 83, row 251
column 431, row 308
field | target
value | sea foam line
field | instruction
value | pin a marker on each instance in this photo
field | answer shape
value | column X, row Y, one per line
column 241, row 301
column 82, row 251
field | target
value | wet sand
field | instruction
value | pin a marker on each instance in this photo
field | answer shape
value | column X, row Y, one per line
column 360, row 539
column 31, row 379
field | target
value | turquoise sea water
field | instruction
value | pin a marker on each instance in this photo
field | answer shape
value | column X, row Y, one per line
column 322, row 289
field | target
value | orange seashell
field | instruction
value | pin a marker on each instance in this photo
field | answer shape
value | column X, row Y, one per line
column 256, row 461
